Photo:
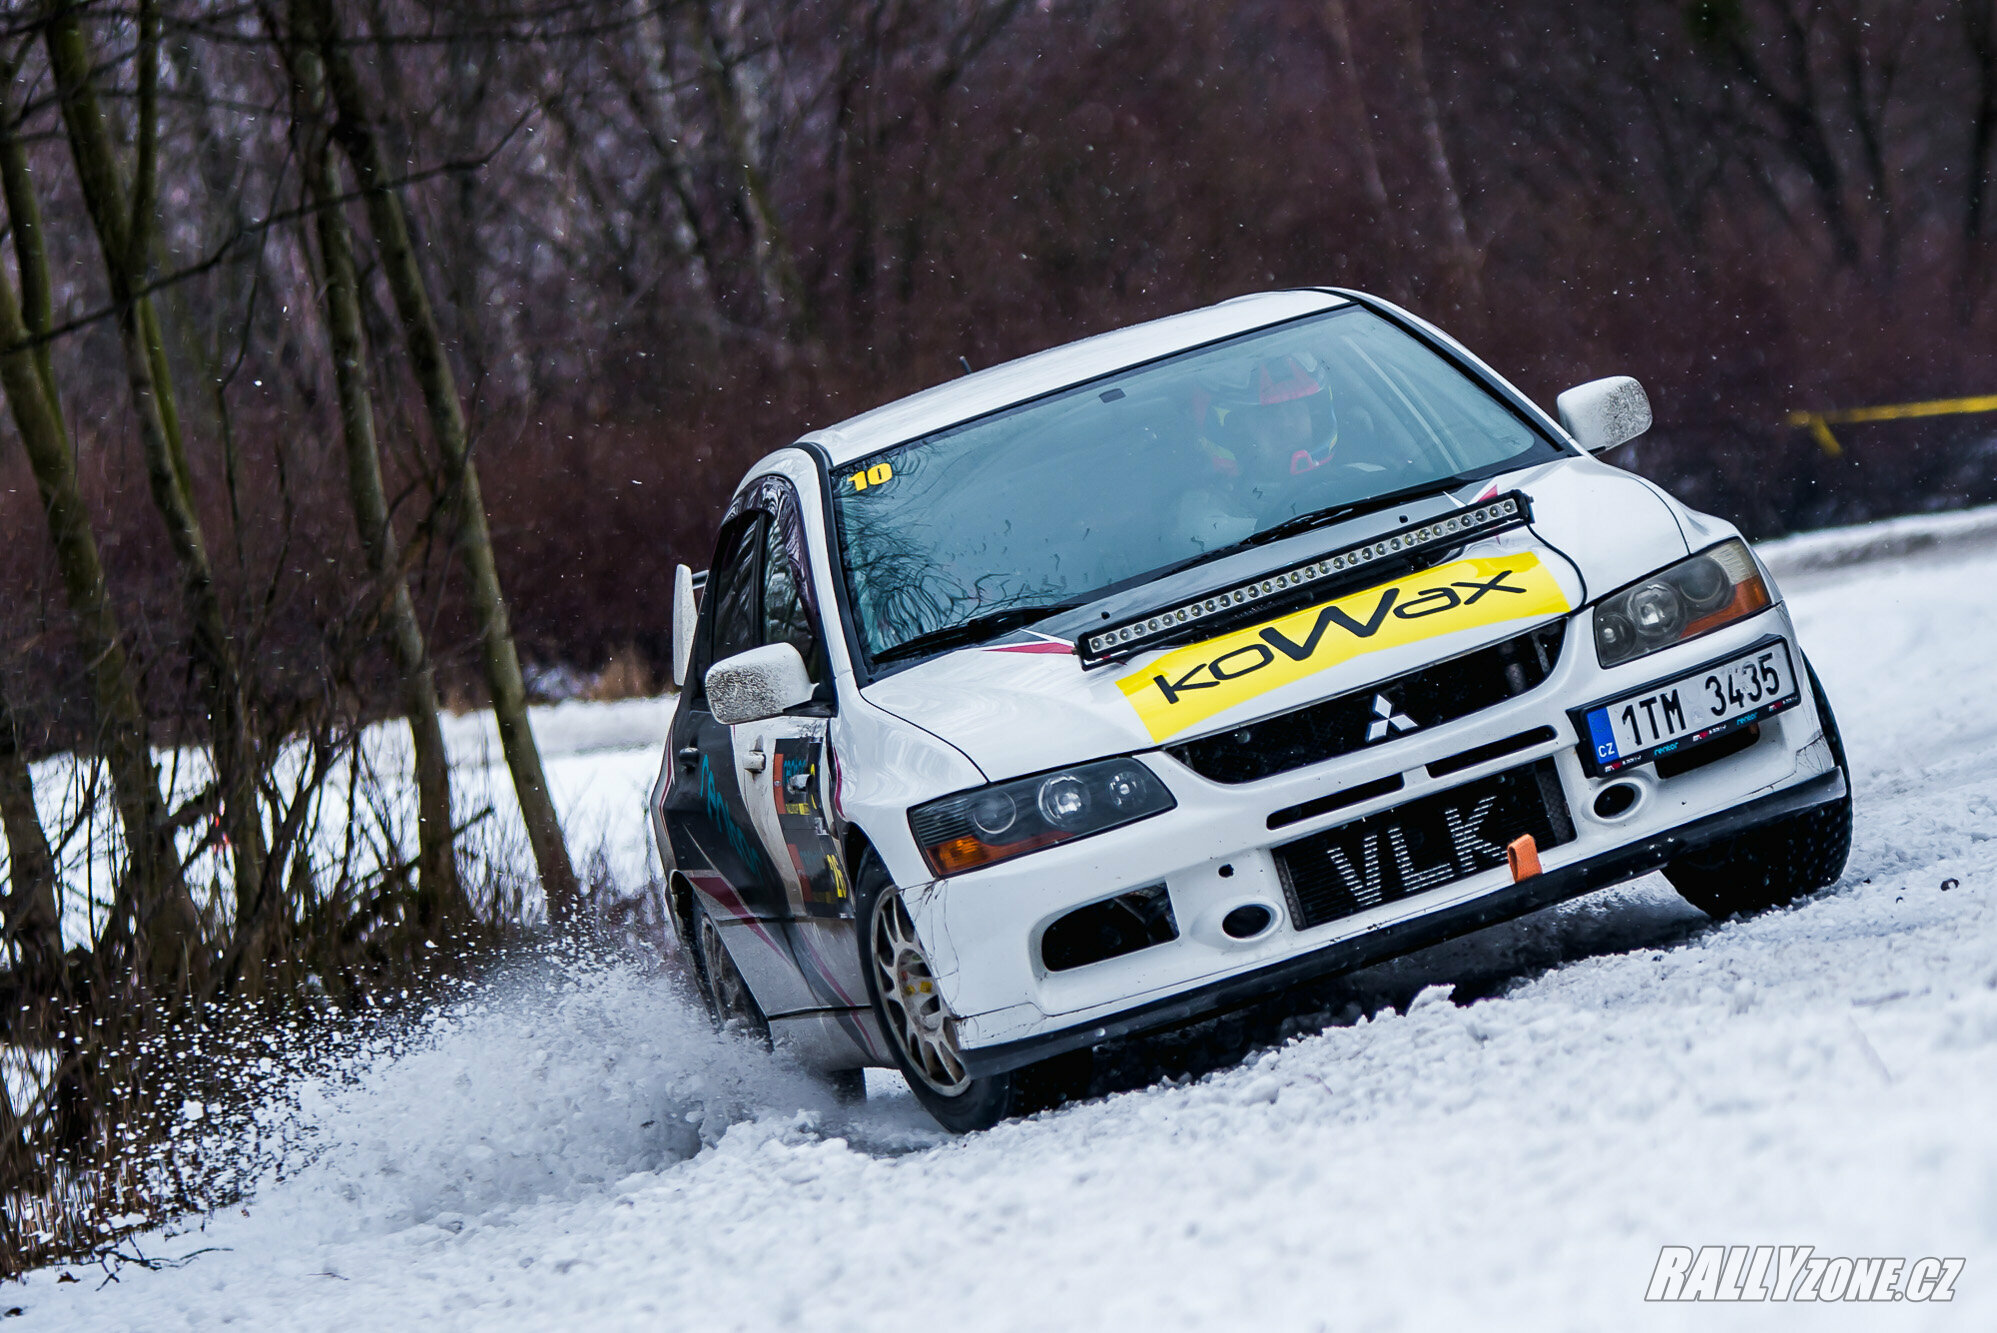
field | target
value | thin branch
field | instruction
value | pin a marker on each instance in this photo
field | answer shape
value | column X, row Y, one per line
column 248, row 230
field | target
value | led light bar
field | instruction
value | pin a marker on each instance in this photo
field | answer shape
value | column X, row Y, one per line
column 1371, row 560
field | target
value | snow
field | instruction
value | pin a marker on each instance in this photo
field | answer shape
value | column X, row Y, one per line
column 600, row 760
column 1836, row 547
column 578, row 1149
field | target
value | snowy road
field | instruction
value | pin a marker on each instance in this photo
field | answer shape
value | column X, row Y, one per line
column 581, row 1153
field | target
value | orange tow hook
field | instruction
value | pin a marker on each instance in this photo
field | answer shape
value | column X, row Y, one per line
column 1523, row 855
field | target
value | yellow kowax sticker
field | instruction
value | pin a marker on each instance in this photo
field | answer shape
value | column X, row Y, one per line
column 1189, row 685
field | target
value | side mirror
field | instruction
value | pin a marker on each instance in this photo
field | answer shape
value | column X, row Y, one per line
column 1602, row 414
column 758, row 684
column 685, row 616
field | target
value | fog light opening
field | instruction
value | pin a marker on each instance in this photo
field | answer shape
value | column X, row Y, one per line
column 1615, row 800
column 1247, row 921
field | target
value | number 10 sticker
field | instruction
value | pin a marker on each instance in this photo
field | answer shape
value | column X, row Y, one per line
column 877, row 475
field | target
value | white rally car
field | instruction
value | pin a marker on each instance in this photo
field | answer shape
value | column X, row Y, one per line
column 1137, row 679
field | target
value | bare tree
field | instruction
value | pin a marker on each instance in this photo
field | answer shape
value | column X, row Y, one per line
column 30, row 916
column 122, row 217
column 152, row 902
column 1463, row 256
column 775, row 266
column 441, row 901
column 1358, row 120
column 354, row 129
column 1776, row 76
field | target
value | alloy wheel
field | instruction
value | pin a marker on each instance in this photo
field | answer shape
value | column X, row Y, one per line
column 918, row 1019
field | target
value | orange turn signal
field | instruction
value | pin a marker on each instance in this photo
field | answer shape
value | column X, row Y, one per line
column 1750, row 595
column 967, row 852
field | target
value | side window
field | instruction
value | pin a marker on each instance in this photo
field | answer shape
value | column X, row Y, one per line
column 732, row 590
column 787, row 614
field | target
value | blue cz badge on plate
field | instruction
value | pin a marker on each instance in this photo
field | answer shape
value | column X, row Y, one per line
column 1603, row 735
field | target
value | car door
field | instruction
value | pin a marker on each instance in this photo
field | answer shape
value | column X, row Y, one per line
column 767, row 867
column 714, row 840
column 782, row 764
column 785, row 768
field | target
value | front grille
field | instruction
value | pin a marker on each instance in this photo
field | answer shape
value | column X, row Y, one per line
column 1422, row 845
column 1428, row 698
column 1338, row 800
column 1484, row 754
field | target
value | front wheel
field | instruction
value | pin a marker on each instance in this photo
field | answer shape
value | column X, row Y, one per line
column 920, row 1029
column 1778, row 862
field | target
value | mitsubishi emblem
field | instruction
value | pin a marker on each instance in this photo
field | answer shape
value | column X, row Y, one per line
column 1385, row 719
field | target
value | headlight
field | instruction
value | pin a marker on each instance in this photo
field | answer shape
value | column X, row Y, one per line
column 1008, row 819
column 1679, row 602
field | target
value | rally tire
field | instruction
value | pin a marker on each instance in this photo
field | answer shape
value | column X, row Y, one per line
column 730, row 1002
column 920, row 1031
column 957, row 1102
column 918, row 1028
column 1778, row 862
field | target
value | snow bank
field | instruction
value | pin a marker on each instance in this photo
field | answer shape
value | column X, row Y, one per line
column 1835, row 548
column 569, row 728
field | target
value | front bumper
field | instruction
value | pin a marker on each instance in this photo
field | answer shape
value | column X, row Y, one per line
column 1214, row 853
column 1543, row 890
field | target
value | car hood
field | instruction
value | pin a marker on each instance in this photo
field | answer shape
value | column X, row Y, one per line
column 1023, row 703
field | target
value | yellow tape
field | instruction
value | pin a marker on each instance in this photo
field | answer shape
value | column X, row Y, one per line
column 1819, row 423
column 1189, row 685
column 1819, row 432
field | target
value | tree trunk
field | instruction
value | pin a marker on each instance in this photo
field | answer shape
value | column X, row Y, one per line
column 440, row 899
column 122, row 225
column 153, row 901
column 353, row 129
column 1800, row 131
column 657, row 107
column 1464, row 261
column 33, row 924
column 769, row 247
column 1338, row 23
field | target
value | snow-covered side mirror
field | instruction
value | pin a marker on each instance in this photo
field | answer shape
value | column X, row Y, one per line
column 1602, row 414
column 685, row 616
column 758, row 684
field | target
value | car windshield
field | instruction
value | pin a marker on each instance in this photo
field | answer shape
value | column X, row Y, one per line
column 963, row 534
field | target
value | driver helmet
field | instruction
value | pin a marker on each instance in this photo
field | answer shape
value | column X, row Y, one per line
column 1292, row 378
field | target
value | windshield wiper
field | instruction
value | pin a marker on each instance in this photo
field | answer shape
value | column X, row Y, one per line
column 1320, row 518
column 975, row 630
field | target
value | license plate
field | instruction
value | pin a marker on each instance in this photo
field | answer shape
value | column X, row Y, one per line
column 1699, row 706
column 1427, row 843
